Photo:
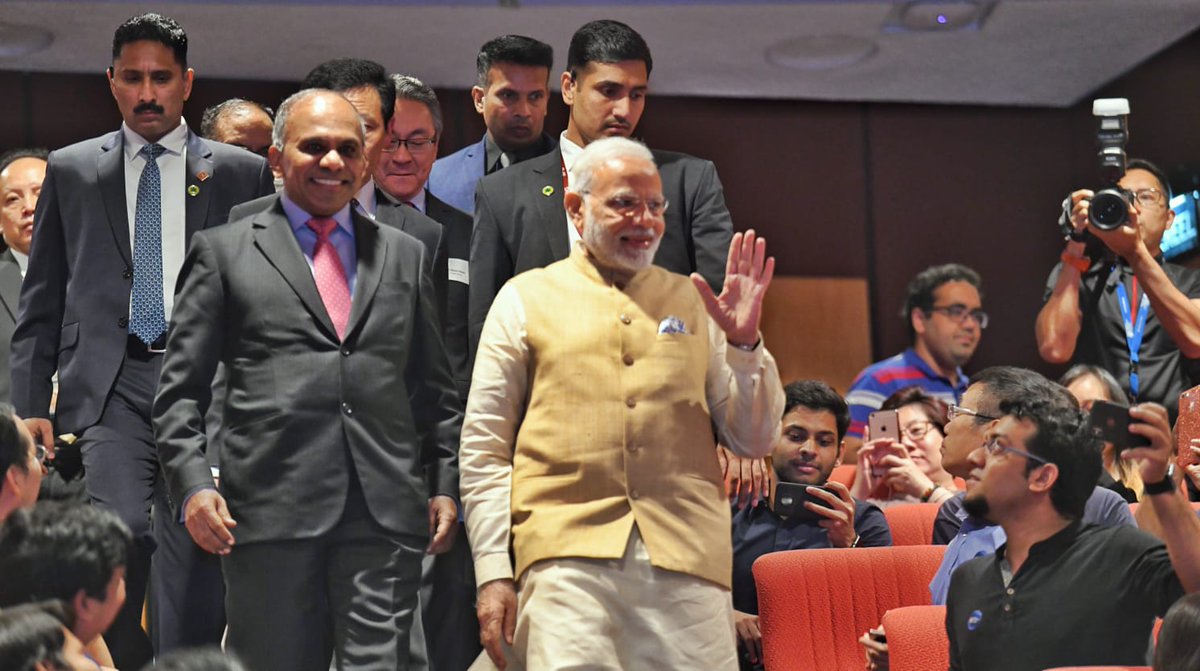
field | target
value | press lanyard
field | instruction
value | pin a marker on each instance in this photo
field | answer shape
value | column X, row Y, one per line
column 1134, row 329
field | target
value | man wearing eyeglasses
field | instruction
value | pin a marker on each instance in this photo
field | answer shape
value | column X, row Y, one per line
column 945, row 316
column 1118, row 305
column 449, row 629
column 1062, row 592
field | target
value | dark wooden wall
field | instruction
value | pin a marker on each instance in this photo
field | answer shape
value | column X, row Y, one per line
column 875, row 191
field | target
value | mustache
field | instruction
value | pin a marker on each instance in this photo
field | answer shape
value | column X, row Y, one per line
column 148, row 107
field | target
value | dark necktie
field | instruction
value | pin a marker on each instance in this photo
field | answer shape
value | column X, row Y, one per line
column 148, row 317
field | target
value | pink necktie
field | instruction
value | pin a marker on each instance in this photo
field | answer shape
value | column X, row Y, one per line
column 330, row 275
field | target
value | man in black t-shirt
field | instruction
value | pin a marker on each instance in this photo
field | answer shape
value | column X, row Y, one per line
column 1121, row 306
column 1061, row 592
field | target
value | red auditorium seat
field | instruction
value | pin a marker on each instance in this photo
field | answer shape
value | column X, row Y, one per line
column 844, row 474
column 912, row 523
column 1100, row 668
column 916, row 637
column 814, row 604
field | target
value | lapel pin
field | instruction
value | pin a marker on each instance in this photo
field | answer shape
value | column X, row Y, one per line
column 202, row 175
column 193, row 190
column 548, row 191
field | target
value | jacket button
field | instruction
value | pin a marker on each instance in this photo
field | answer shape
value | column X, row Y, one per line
column 122, row 322
column 128, row 273
column 628, row 359
column 633, row 448
column 631, row 402
column 345, row 351
column 347, row 409
column 633, row 494
column 625, row 319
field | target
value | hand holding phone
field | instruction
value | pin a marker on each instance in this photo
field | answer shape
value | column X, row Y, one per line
column 1110, row 422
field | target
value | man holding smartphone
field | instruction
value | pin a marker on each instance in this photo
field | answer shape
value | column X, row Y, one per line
column 805, row 510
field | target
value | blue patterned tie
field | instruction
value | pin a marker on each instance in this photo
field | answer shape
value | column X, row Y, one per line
column 147, row 319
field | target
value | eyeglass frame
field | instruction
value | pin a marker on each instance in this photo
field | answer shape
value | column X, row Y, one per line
column 993, row 447
column 1137, row 196
column 957, row 410
column 424, row 144
column 977, row 314
column 929, row 426
column 642, row 205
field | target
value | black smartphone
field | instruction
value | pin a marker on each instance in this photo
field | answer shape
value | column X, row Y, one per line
column 1110, row 422
column 790, row 498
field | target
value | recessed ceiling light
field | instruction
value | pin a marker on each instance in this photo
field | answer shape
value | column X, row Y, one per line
column 821, row 52
column 17, row 40
column 937, row 15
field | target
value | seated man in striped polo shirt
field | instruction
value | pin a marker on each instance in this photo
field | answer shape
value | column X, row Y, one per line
column 945, row 315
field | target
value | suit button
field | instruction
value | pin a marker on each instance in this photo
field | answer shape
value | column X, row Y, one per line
column 633, row 494
column 128, row 273
column 347, row 409
column 628, row 359
column 633, row 448
column 345, row 351
column 631, row 402
column 122, row 322
column 625, row 319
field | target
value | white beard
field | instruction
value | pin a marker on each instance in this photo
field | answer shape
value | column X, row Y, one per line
column 607, row 249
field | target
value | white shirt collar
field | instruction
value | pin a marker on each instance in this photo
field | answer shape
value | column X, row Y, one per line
column 22, row 260
column 570, row 152
column 174, row 141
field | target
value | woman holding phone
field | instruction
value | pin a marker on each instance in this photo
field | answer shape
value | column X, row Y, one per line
column 901, row 462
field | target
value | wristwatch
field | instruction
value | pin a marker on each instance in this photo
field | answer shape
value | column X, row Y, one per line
column 1167, row 484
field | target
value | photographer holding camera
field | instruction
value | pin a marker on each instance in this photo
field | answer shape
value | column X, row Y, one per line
column 1114, row 302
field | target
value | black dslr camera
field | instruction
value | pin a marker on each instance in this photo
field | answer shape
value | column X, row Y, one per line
column 1109, row 208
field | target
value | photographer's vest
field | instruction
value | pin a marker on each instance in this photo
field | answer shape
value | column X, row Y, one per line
column 616, row 428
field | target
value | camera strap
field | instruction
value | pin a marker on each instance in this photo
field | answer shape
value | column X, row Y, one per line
column 1134, row 328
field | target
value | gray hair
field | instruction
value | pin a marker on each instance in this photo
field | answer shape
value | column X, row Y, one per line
column 409, row 87
column 601, row 151
column 285, row 110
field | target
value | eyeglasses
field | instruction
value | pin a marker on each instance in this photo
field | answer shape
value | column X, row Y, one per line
column 1149, row 196
column 630, row 206
column 994, row 448
column 918, row 430
column 416, row 145
column 959, row 313
column 959, row 411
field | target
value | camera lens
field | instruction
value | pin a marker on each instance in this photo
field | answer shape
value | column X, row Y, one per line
column 1109, row 209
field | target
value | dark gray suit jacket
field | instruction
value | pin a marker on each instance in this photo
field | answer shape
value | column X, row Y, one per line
column 398, row 215
column 302, row 406
column 456, row 232
column 75, row 298
column 10, row 293
column 520, row 224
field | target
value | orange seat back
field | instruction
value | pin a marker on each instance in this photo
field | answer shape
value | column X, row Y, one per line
column 844, row 474
column 814, row 604
column 916, row 638
column 912, row 523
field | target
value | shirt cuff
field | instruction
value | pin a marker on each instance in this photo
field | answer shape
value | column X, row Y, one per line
column 739, row 358
column 494, row 566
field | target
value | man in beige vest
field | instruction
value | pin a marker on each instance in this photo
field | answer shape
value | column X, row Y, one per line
column 589, row 446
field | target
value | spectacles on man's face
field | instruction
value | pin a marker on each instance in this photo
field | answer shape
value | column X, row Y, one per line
column 994, row 448
column 959, row 313
column 628, row 205
column 1149, row 197
column 959, row 411
column 415, row 146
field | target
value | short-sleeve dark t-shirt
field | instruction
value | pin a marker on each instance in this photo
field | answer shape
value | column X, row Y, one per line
column 1163, row 371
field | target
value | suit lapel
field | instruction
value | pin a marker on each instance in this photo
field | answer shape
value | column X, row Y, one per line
column 10, row 283
column 548, row 194
column 199, row 169
column 274, row 238
column 110, row 175
column 372, row 254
